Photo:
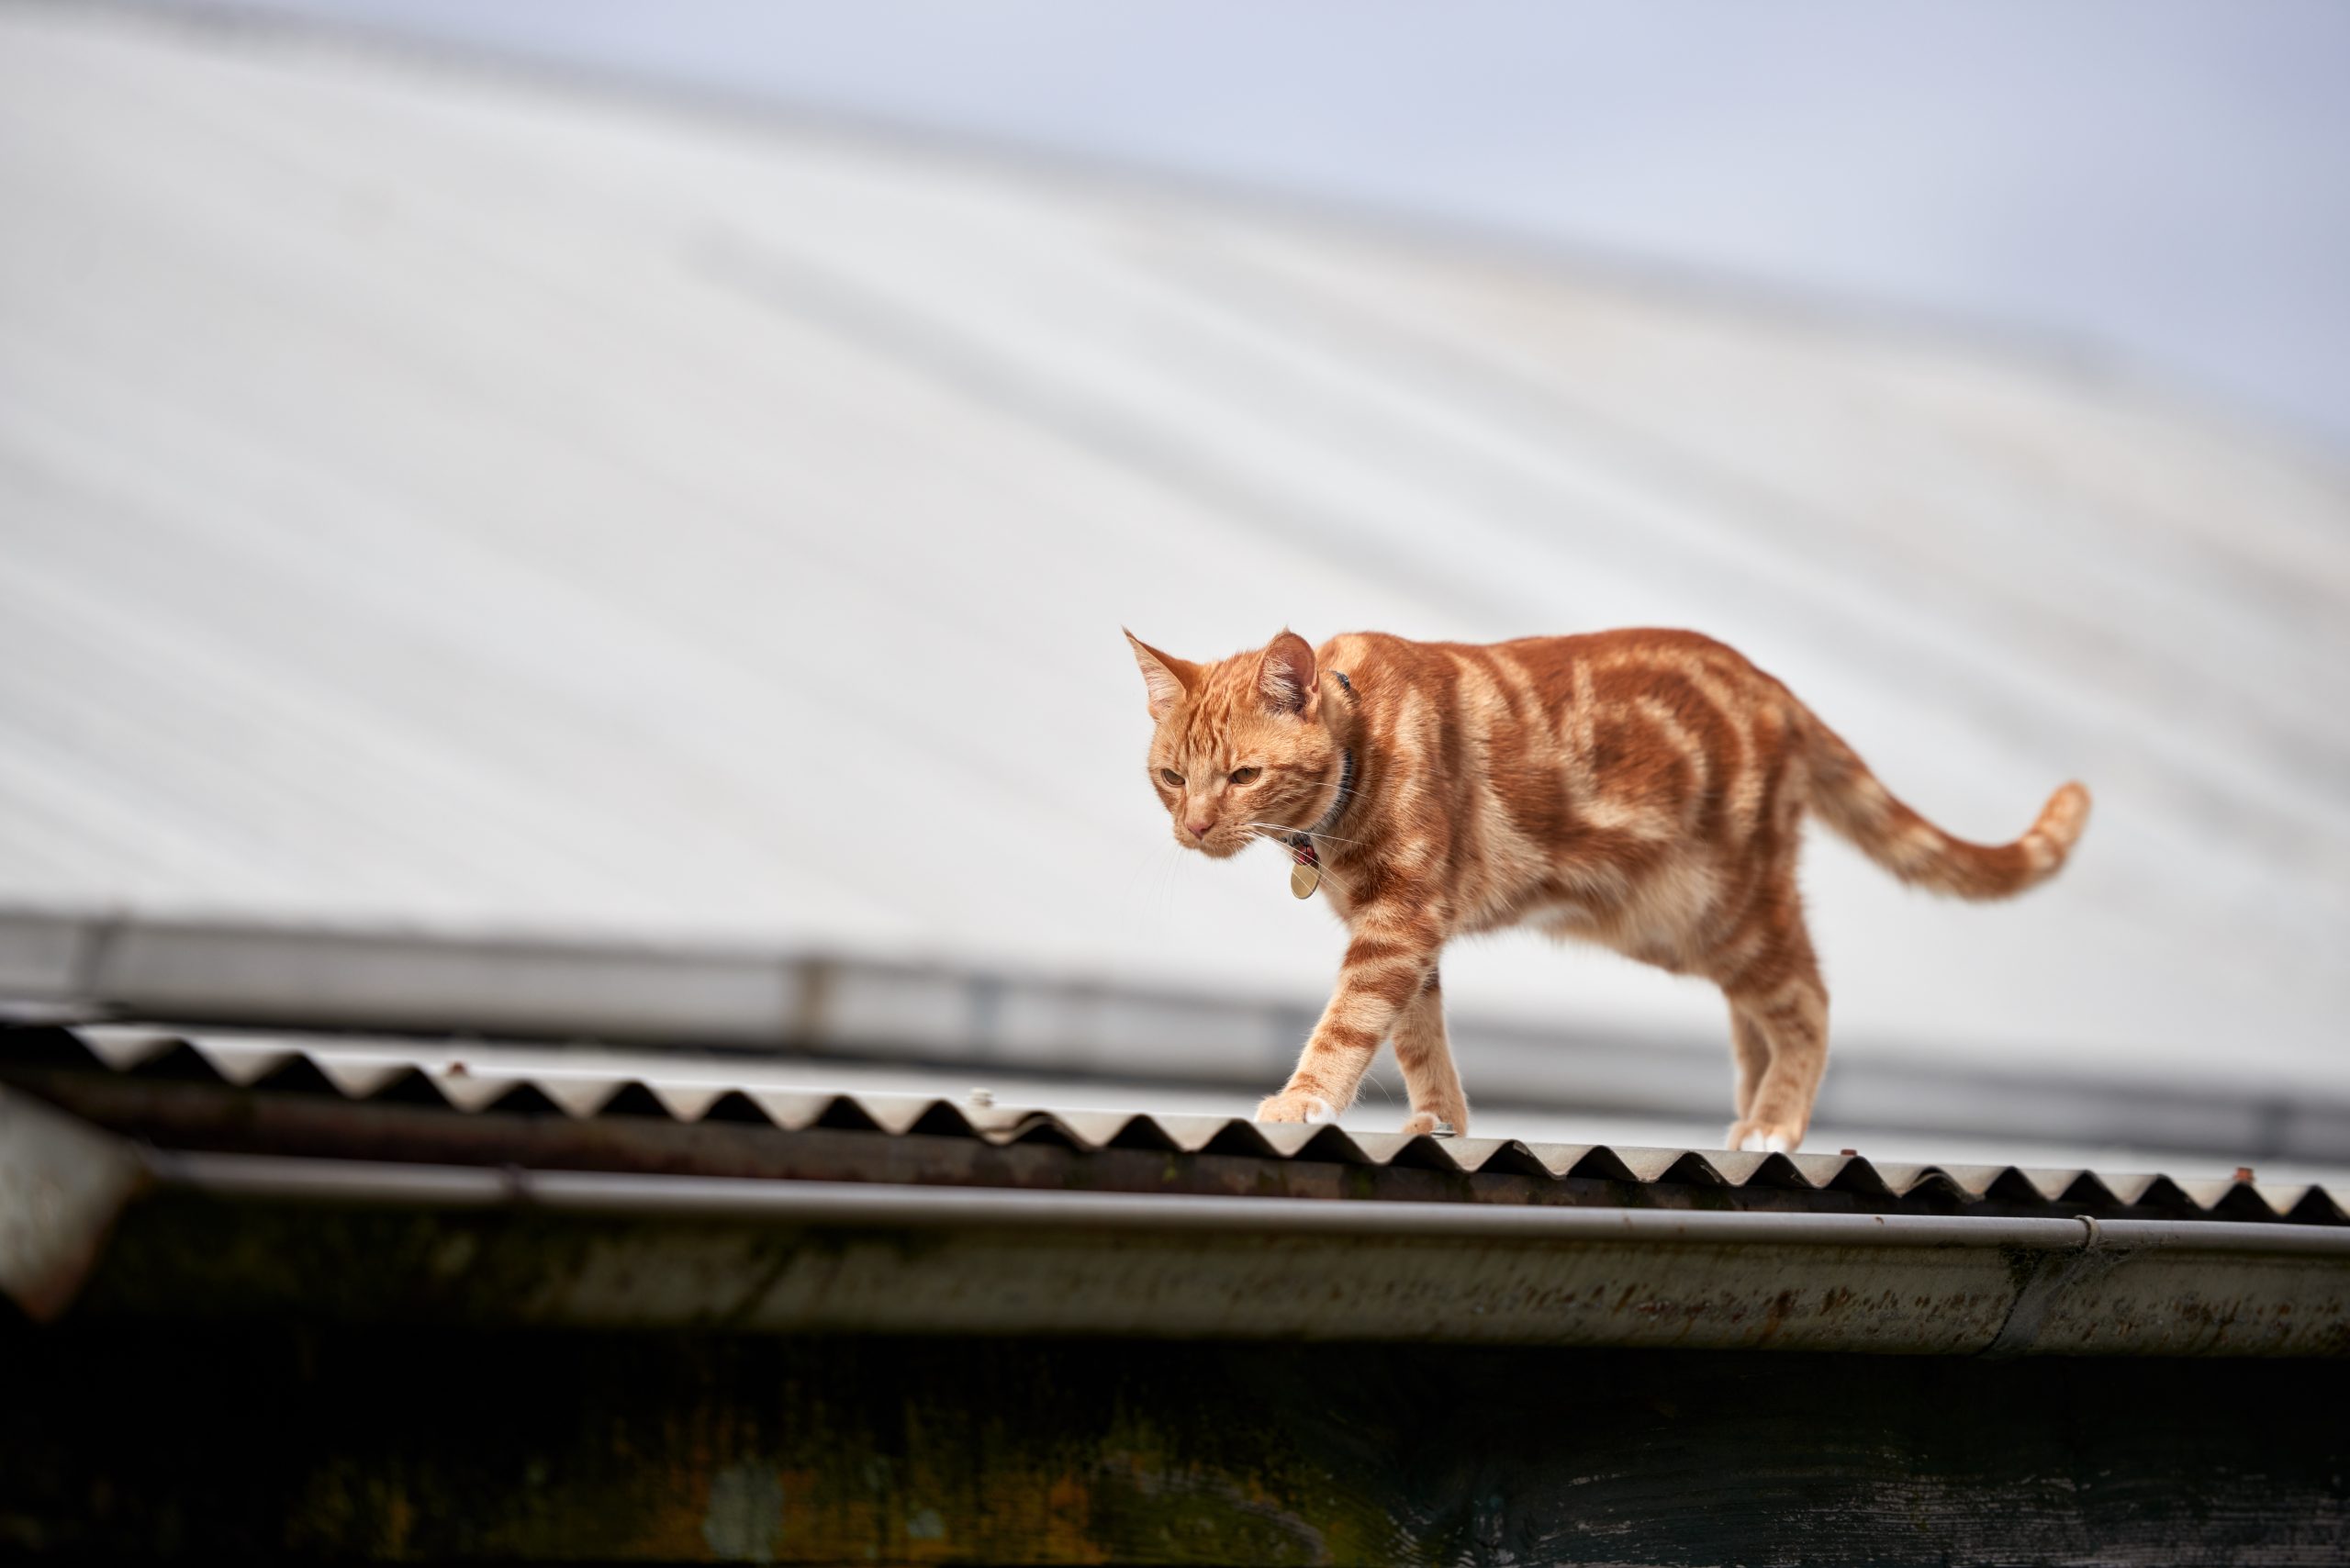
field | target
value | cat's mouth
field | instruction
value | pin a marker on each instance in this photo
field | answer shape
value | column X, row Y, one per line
column 1222, row 845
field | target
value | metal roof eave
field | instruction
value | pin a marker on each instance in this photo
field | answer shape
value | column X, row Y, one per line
column 210, row 1234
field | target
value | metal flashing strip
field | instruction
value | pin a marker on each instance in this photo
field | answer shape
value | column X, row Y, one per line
column 858, row 1203
column 61, row 1183
column 299, row 1078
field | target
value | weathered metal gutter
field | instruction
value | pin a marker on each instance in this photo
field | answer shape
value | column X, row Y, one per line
column 235, row 1233
column 862, row 1204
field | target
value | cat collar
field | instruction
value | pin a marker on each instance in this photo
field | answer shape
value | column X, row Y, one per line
column 1301, row 845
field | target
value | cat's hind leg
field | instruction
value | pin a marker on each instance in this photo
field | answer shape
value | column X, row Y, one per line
column 1779, row 999
column 1425, row 1055
column 1751, row 1049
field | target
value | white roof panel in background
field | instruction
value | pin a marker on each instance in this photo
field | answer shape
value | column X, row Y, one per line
column 450, row 500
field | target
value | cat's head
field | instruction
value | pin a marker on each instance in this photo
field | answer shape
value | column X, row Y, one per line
column 1243, row 746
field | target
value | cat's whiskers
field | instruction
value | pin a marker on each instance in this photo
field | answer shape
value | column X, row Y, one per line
column 1275, row 830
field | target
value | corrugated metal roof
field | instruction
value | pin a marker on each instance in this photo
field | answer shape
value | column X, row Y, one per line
column 862, row 1012
column 437, row 498
column 1209, row 1153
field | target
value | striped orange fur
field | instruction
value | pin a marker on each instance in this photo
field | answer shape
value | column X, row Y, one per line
column 1643, row 789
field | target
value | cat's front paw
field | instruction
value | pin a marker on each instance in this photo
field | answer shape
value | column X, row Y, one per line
column 1291, row 1106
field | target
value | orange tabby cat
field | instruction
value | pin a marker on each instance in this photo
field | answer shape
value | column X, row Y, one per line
column 1643, row 789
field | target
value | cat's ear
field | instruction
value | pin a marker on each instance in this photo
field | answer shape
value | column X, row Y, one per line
column 1166, row 677
column 1285, row 676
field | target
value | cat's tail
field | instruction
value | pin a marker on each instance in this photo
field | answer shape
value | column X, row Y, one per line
column 1850, row 799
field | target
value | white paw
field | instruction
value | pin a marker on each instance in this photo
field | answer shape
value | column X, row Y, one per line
column 1751, row 1144
column 1765, row 1143
column 1777, row 1144
column 1291, row 1106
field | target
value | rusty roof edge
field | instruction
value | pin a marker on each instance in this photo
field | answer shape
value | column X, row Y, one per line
column 297, row 1178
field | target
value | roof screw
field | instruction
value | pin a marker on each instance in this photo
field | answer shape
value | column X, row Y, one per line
column 1850, row 1153
column 982, row 1097
column 2244, row 1172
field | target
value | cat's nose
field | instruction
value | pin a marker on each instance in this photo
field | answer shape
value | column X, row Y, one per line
column 1199, row 830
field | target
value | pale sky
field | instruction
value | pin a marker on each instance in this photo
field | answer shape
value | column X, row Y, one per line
column 2162, row 186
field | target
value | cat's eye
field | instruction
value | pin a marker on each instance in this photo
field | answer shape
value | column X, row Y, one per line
column 1174, row 779
column 1245, row 775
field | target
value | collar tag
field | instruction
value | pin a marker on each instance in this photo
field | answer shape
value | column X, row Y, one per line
column 1306, row 875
